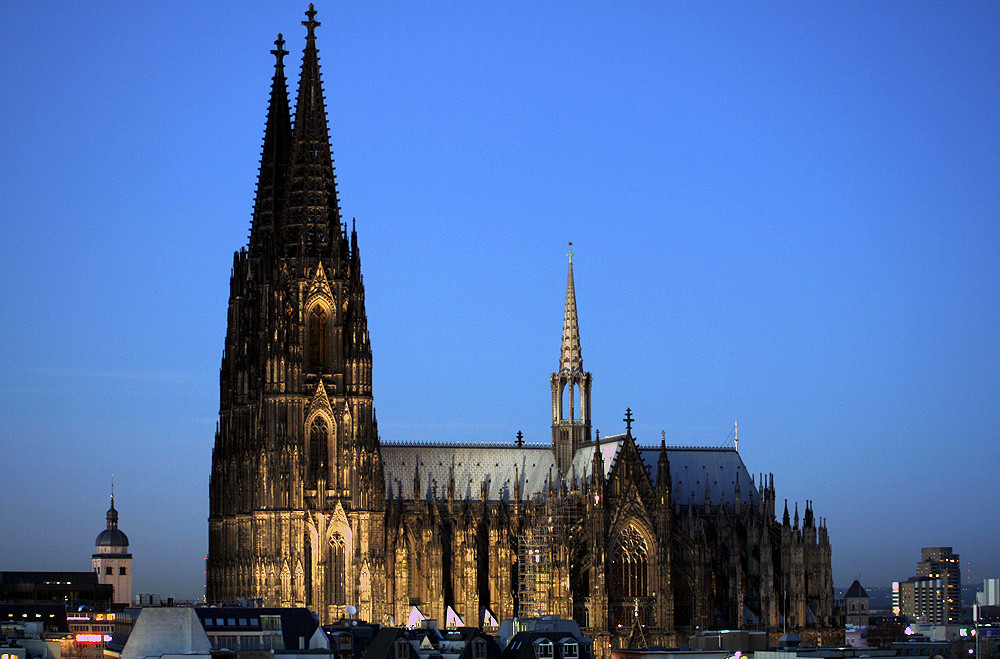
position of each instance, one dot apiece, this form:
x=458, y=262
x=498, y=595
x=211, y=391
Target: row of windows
x=402, y=650
x=110, y=570
x=247, y=642
x=222, y=622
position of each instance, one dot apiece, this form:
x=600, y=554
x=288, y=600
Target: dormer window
x=402, y=649
x=479, y=649
x=570, y=650
x=543, y=649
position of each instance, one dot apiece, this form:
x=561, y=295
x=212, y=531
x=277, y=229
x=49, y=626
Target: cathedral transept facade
x=308, y=507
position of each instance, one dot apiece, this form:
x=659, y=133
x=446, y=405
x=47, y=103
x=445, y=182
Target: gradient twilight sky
x=784, y=214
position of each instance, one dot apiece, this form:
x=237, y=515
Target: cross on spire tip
x=312, y=23
x=279, y=52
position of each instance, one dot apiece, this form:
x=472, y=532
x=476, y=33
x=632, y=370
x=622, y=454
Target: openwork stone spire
x=273, y=159
x=313, y=223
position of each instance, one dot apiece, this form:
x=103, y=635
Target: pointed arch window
x=308, y=568
x=317, y=339
x=629, y=565
x=338, y=568
x=318, y=438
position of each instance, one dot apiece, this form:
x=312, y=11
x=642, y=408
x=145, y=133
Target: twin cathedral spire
x=297, y=210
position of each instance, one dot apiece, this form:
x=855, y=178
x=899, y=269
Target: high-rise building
x=307, y=506
x=990, y=594
x=920, y=599
x=941, y=563
x=112, y=561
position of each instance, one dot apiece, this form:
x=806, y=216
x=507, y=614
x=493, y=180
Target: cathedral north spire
x=273, y=159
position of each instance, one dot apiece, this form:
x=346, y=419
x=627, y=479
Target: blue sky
x=784, y=214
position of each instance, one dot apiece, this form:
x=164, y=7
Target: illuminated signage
x=92, y=638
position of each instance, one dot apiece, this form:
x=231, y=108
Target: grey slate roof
x=856, y=590
x=472, y=464
x=495, y=463
x=691, y=467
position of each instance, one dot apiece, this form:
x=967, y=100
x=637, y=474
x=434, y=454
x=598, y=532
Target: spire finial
x=736, y=435
x=520, y=438
x=570, y=255
x=628, y=420
x=311, y=24
x=279, y=52
x=663, y=438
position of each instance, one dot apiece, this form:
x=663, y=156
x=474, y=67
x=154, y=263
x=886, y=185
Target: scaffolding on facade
x=539, y=571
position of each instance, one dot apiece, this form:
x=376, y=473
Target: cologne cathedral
x=639, y=542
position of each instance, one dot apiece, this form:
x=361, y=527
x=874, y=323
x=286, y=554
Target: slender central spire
x=570, y=386
x=571, y=355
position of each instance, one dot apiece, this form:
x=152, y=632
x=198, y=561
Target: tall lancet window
x=338, y=566
x=629, y=566
x=317, y=339
x=319, y=436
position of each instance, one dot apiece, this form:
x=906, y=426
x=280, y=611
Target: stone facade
x=309, y=507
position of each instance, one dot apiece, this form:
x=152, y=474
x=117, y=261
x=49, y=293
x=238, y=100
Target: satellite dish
x=351, y=610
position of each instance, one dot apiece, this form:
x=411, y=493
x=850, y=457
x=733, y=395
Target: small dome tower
x=111, y=560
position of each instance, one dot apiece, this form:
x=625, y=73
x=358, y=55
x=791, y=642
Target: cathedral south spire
x=313, y=223
x=570, y=385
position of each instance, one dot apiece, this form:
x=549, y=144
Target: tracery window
x=317, y=339
x=629, y=565
x=318, y=438
x=338, y=566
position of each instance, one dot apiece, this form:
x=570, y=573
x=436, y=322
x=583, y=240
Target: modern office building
x=941, y=563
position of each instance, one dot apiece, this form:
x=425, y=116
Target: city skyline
x=785, y=219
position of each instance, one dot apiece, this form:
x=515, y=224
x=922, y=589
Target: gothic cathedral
x=308, y=507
